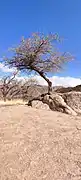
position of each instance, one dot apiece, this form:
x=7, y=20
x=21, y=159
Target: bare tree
x=28, y=87
x=38, y=54
x=8, y=87
x=11, y=87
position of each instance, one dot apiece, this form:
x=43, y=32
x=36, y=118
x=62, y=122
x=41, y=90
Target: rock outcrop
x=57, y=103
x=73, y=100
x=54, y=101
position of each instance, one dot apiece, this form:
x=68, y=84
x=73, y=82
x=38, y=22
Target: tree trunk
x=4, y=98
x=46, y=79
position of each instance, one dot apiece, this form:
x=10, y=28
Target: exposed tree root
x=55, y=103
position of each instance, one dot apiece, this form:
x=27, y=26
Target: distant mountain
x=36, y=90
x=68, y=89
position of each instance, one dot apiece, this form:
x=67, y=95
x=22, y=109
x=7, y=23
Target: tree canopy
x=38, y=53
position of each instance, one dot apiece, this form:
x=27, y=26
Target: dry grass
x=39, y=145
x=12, y=102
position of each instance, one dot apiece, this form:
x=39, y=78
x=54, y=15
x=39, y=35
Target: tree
x=28, y=87
x=9, y=87
x=38, y=54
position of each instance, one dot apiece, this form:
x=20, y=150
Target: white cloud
x=6, y=69
x=65, y=81
x=56, y=80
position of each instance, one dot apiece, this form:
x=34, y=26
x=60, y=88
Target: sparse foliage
x=38, y=54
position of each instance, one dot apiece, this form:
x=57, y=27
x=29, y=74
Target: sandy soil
x=39, y=145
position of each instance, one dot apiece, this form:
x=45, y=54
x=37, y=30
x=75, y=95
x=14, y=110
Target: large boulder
x=69, y=103
x=57, y=103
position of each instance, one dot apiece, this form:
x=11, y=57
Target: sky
x=21, y=17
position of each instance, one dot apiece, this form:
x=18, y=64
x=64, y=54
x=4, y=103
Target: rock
x=40, y=105
x=73, y=100
x=57, y=103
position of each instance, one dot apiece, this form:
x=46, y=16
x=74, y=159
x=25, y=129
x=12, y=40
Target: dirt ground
x=39, y=145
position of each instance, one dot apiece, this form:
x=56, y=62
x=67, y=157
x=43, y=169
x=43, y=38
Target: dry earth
x=39, y=145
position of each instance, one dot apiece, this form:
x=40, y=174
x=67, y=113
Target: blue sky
x=21, y=17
